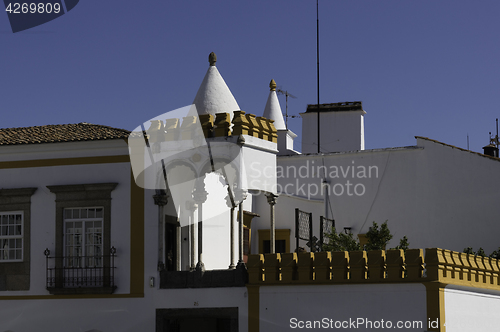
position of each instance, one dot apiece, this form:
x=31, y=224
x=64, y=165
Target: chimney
x=341, y=127
x=491, y=150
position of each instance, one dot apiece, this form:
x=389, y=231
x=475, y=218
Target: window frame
x=82, y=196
x=84, y=235
x=15, y=275
x=12, y=237
x=280, y=234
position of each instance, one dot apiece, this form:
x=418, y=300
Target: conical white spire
x=273, y=108
x=214, y=95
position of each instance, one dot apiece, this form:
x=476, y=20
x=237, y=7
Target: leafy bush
x=403, y=243
x=377, y=237
x=341, y=242
x=480, y=252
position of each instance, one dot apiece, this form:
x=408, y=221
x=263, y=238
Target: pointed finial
x=212, y=58
x=272, y=85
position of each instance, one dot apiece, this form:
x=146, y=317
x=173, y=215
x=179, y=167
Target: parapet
x=377, y=266
x=218, y=126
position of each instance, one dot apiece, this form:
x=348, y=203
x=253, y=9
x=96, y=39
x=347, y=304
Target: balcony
x=81, y=274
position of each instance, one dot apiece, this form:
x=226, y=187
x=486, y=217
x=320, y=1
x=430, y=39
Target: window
x=15, y=234
x=11, y=236
x=279, y=246
x=83, y=237
x=282, y=244
x=83, y=259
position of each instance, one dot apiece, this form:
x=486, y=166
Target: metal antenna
x=317, y=58
x=286, y=94
x=496, y=138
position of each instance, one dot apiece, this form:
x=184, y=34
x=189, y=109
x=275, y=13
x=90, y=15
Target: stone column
x=200, y=196
x=271, y=199
x=231, y=265
x=179, y=247
x=191, y=207
x=160, y=199
x=240, y=196
x=231, y=204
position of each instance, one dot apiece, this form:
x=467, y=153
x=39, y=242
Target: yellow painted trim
x=70, y=296
x=435, y=305
x=64, y=161
x=136, y=237
x=281, y=234
x=362, y=240
x=253, y=308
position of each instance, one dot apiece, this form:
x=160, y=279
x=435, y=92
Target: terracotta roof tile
x=60, y=133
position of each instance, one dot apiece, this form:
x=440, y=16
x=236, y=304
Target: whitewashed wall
x=471, y=310
x=43, y=206
x=286, y=308
x=436, y=195
x=119, y=314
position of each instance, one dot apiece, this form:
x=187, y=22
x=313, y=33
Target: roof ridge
x=456, y=147
x=51, y=133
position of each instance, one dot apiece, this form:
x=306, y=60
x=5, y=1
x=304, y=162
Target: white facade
x=435, y=194
x=283, y=308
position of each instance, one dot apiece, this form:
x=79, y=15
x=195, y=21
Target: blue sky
x=428, y=68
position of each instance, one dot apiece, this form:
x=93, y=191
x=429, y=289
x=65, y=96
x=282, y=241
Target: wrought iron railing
x=303, y=228
x=325, y=227
x=80, y=271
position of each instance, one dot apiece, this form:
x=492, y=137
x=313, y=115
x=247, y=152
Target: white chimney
x=341, y=127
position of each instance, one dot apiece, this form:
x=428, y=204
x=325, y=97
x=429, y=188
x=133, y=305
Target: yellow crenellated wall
x=439, y=265
x=218, y=126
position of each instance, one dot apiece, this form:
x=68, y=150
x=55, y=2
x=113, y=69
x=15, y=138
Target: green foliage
x=469, y=251
x=480, y=252
x=378, y=237
x=495, y=254
x=403, y=244
x=340, y=242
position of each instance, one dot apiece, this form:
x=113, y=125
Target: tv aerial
x=286, y=94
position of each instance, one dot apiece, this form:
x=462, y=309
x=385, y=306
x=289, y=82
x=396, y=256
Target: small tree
x=469, y=251
x=340, y=242
x=495, y=254
x=377, y=240
x=403, y=244
x=480, y=252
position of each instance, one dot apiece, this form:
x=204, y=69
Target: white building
x=436, y=194
x=85, y=248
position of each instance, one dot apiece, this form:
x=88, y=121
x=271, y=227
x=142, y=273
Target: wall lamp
x=347, y=230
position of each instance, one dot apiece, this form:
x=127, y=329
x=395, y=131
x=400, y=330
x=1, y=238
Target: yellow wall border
x=64, y=161
x=435, y=306
x=253, y=308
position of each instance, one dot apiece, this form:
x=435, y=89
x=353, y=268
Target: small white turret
x=214, y=96
x=273, y=112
